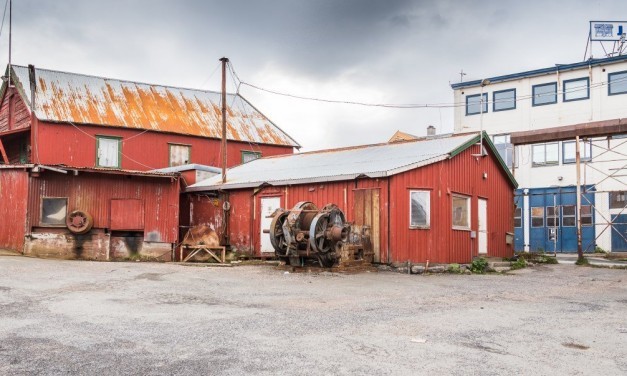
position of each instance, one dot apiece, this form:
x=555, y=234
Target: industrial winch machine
x=305, y=235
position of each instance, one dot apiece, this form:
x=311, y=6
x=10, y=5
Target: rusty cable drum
x=79, y=222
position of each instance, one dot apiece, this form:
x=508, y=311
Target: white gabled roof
x=372, y=161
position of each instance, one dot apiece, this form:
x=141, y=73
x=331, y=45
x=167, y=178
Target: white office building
x=585, y=95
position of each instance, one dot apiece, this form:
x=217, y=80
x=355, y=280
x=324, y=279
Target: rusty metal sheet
x=83, y=99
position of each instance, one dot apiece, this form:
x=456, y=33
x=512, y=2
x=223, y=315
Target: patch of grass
x=582, y=262
x=521, y=263
x=537, y=257
x=479, y=265
x=598, y=249
x=454, y=268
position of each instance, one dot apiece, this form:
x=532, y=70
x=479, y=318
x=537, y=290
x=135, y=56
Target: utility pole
x=224, y=61
x=10, y=30
x=578, y=211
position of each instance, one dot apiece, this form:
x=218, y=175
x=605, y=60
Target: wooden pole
x=224, y=61
x=578, y=210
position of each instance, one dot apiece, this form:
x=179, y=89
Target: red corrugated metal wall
x=13, y=200
x=440, y=243
x=143, y=152
x=93, y=193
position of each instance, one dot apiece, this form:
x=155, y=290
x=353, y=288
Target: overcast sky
x=387, y=51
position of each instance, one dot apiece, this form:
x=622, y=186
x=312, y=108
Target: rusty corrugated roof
x=83, y=99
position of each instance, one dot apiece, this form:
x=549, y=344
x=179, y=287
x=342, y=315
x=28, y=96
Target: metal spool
x=79, y=222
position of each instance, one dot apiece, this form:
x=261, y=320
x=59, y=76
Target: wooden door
x=482, y=226
x=366, y=212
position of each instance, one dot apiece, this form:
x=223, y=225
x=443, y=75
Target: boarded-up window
x=461, y=212
x=248, y=156
x=53, y=211
x=419, y=210
x=108, y=151
x=180, y=154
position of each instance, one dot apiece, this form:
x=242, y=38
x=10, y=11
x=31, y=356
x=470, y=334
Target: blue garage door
x=619, y=233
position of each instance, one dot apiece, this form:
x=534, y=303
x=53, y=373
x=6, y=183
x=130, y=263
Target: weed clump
x=521, y=263
x=478, y=266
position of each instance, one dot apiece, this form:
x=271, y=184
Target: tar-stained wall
x=13, y=203
x=463, y=174
x=140, y=150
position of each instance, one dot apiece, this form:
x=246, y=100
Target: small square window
x=180, y=154
x=53, y=211
x=577, y=89
x=617, y=83
x=474, y=103
x=552, y=216
x=568, y=216
x=419, y=210
x=504, y=100
x=586, y=215
x=248, y=156
x=108, y=151
x=461, y=212
x=544, y=94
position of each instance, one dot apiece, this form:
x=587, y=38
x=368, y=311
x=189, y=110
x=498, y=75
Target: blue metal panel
x=519, y=232
x=619, y=233
x=566, y=240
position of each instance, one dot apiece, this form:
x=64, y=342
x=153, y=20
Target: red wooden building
x=434, y=198
x=76, y=142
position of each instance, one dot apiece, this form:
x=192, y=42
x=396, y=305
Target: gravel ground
x=72, y=317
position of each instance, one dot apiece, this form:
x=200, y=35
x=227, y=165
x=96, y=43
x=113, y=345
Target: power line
x=4, y=14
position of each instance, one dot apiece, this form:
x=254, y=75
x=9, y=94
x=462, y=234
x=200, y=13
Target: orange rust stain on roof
x=100, y=101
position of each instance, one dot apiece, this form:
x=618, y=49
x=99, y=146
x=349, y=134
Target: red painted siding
x=13, y=199
x=440, y=243
x=12, y=104
x=65, y=144
x=93, y=193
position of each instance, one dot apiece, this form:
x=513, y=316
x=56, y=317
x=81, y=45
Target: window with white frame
x=503, y=100
x=544, y=94
x=586, y=215
x=568, y=216
x=577, y=89
x=545, y=154
x=518, y=217
x=569, y=152
x=420, y=208
x=248, y=156
x=461, y=212
x=537, y=216
x=108, y=151
x=180, y=154
x=617, y=83
x=505, y=148
x=53, y=211
x=552, y=216
x=474, y=103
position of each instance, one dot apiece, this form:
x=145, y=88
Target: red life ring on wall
x=79, y=222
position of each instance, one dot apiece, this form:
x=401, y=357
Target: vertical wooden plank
x=358, y=207
x=375, y=228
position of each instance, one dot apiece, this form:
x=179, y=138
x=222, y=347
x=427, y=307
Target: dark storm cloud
x=386, y=51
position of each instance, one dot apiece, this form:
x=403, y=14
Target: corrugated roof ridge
x=356, y=147
x=123, y=80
